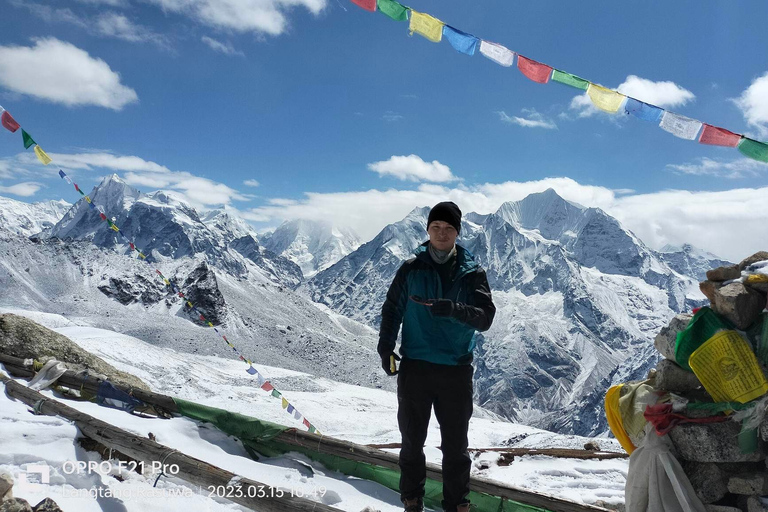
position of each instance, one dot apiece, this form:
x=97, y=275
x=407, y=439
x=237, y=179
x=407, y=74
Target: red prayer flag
x=536, y=71
x=267, y=386
x=202, y=318
x=368, y=5
x=133, y=247
x=306, y=423
x=103, y=217
x=9, y=122
x=719, y=136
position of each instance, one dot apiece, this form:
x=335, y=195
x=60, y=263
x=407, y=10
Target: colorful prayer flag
x=87, y=199
x=90, y=203
x=267, y=386
x=276, y=393
x=536, y=71
x=644, y=111
x=426, y=25
x=394, y=10
x=103, y=217
x=42, y=156
x=115, y=228
x=605, y=99
x=497, y=53
x=718, y=136
x=680, y=126
x=754, y=149
x=27, y=138
x=9, y=122
x=296, y=414
x=285, y=403
x=570, y=80
x=290, y=409
x=368, y=5
x=251, y=370
x=306, y=423
x=312, y=429
x=461, y=41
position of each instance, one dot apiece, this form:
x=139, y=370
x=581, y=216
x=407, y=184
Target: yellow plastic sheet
x=44, y=158
x=728, y=369
x=426, y=25
x=605, y=99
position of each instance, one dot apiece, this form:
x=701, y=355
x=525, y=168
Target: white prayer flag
x=680, y=126
x=296, y=414
x=497, y=53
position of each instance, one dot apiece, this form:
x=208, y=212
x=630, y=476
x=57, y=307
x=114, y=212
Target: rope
x=37, y=409
x=162, y=465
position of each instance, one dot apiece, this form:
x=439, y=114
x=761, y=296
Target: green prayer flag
x=312, y=429
x=276, y=393
x=394, y=10
x=754, y=149
x=28, y=140
x=569, y=79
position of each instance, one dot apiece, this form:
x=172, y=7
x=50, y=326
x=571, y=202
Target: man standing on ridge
x=441, y=297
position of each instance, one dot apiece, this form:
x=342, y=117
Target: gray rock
x=15, y=505
x=47, y=505
x=721, y=508
x=739, y=304
x=724, y=273
x=707, y=480
x=670, y=377
x=764, y=429
x=665, y=340
x=755, y=504
x=712, y=442
x=25, y=339
x=708, y=289
x=758, y=256
x=6, y=486
x=748, y=484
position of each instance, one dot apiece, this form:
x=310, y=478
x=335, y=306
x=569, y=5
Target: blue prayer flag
x=61, y=173
x=289, y=409
x=461, y=41
x=644, y=111
x=251, y=370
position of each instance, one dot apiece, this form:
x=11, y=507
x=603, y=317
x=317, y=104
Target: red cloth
x=306, y=423
x=267, y=386
x=719, y=136
x=368, y=5
x=9, y=122
x=536, y=71
x=664, y=419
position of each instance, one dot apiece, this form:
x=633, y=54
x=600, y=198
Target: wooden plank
x=245, y=491
x=348, y=450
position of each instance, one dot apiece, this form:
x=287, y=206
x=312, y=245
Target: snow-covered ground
x=358, y=414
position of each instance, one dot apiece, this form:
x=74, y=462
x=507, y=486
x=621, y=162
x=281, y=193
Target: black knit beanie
x=446, y=211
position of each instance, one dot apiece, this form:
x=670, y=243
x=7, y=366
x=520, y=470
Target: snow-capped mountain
x=689, y=260
x=83, y=270
x=30, y=219
x=312, y=245
x=579, y=299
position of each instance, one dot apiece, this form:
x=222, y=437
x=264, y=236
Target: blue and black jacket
x=441, y=340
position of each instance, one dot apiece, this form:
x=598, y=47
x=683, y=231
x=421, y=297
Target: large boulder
x=758, y=256
x=738, y=303
x=724, y=273
x=670, y=377
x=667, y=337
x=712, y=442
x=21, y=337
x=707, y=480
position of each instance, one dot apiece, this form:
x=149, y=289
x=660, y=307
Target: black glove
x=443, y=307
x=386, y=363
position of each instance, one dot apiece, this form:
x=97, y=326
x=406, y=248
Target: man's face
x=442, y=235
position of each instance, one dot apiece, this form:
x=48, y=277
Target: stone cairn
x=725, y=478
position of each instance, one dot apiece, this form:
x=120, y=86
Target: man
x=441, y=297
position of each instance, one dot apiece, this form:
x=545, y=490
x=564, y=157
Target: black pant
x=420, y=385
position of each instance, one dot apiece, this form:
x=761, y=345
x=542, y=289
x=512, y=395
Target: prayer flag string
x=603, y=98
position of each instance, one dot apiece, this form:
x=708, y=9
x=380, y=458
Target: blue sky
x=320, y=97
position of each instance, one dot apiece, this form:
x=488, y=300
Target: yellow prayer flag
x=189, y=304
x=45, y=159
x=285, y=403
x=142, y=256
x=210, y=324
x=605, y=99
x=116, y=229
x=87, y=199
x=427, y=26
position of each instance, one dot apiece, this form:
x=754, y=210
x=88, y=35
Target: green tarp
x=259, y=438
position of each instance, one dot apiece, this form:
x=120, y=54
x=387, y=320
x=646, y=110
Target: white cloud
x=111, y=3
x=112, y=24
x=753, y=103
x=251, y=183
x=734, y=169
x=261, y=16
x=662, y=94
x=533, y=120
x=59, y=72
x=391, y=116
x=26, y=189
x=50, y=14
x=218, y=46
x=413, y=168
x=728, y=223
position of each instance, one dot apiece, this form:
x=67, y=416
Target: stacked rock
x=725, y=478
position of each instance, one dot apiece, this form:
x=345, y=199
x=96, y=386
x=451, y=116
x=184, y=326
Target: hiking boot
x=413, y=505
